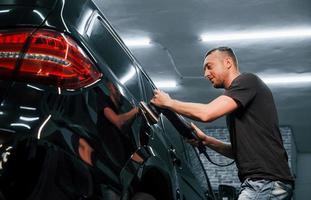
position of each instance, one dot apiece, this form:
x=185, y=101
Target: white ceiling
x=176, y=51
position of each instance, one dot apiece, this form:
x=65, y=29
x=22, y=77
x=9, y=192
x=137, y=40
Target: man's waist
x=286, y=181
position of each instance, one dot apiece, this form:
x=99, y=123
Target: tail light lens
x=11, y=44
x=50, y=57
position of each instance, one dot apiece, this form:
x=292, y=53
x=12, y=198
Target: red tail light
x=11, y=44
x=51, y=58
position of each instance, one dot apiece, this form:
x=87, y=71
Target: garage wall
x=228, y=175
x=303, y=179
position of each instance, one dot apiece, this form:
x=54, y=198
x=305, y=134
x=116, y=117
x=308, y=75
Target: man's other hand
x=201, y=137
x=161, y=99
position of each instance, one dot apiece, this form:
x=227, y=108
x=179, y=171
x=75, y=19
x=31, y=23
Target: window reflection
x=85, y=151
x=114, y=55
x=115, y=117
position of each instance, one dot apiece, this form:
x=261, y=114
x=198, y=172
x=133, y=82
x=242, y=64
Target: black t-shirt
x=254, y=131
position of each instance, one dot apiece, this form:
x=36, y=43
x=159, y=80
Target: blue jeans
x=265, y=189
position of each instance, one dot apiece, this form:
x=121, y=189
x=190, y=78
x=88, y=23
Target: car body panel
x=122, y=160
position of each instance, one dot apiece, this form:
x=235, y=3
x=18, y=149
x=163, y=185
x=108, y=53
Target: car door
x=192, y=174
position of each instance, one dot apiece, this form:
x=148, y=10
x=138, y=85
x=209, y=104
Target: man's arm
x=220, y=106
x=221, y=147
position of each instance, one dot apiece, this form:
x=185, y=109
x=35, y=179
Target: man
x=256, y=143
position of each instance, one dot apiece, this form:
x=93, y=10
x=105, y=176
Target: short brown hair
x=226, y=50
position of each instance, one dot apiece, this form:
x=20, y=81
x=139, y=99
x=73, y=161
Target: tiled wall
x=228, y=175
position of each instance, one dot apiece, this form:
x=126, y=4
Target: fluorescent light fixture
x=287, y=79
x=7, y=130
x=4, y=11
x=27, y=108
x=36, y=88
x=42, y=125
x=165, y=84
x=139, y=42
x=91, y=83
x=28, y=119
x=257, y=35
x=21, y=125
x=7, y=149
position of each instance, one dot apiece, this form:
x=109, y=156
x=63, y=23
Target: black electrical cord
x=202, y=150
x=184, y=128
x=209, y=185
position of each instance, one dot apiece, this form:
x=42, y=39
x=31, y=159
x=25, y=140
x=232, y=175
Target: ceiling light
x=137, y=42
x=4, y=11
x=27, y=108
x=42, y=125
x=165, y=84
x=288, y=79
x=28, y=119
x=256, y=35
x=20, y=125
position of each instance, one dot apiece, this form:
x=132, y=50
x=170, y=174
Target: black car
x=75, y=118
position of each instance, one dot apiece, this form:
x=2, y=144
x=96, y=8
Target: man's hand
x=201, y=137
x=213, y=143
x=161, y=99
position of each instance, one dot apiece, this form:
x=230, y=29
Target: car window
x=113, y=54
x=148, y=89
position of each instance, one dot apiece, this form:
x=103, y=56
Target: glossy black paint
x=22, y=16
x=34, y=3
x=138, y=157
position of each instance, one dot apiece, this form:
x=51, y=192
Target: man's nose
x=206, y=74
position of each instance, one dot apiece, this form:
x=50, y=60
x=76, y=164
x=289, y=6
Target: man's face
x=214, y=69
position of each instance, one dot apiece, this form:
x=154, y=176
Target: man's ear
x=228, y=62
